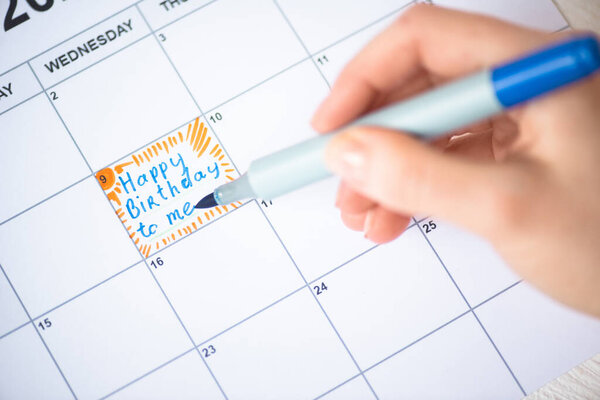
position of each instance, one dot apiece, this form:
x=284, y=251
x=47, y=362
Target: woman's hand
x=528, y=181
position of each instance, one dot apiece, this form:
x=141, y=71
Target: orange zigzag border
x=197, y=137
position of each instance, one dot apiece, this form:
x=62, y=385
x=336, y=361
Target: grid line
x=12, y=330
x=307, y=284
x=320, y=277
x=124, y=227
x=363, y=28
x=210, y=339
x=188, y=90
x=115, y=52
x=372, y=366
x=21, y=102
x=45, y=199
x=61, y=119
x=160, y=250
x=164, y=295
x=301, y=42
x=145, y=260
x=139, y=378
x=472, y=311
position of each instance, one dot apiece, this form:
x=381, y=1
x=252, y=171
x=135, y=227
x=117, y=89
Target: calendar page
x=117, y=116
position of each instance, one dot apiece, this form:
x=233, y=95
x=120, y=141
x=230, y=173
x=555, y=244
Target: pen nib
x=207, y=201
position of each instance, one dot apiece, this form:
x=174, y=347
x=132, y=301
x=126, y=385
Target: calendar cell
x=537, y=14
x=539, y=338
x=89, y=47
x=63, y=247
x=34, y=128
x=288, y=351
x=216, y=64
x=17, y=86
x=288, y=100
x=458, y=361
x=311, y=229
x=333, y=59
x=226, y=272
x=477, y=269
x=306, y=220
x=154, y=189
x=118, y=331
x=184, y=378
x=137, y=98
x=26, y=369
x=162, y=12
x=11, y=312
x=356, y=389
x=398, y=292
x=39, y=156
x=321, y=23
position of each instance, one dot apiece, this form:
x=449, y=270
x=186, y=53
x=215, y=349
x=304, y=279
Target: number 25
x=429, y=226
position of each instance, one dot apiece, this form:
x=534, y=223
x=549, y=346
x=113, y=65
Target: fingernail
x=369, y=220
x=346, y=156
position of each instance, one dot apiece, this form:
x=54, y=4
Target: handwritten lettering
x=155, y=189
x=172, y=179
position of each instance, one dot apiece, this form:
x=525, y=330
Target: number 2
x=54, y=96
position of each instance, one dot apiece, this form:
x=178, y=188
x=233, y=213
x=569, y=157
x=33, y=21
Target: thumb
x=410, y=177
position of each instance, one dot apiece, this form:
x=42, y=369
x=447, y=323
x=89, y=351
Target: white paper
x=116, y=117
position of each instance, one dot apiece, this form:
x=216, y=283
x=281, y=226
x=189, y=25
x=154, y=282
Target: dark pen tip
x=207, y=201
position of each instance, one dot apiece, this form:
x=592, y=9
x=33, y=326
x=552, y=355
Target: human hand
x=527, y=180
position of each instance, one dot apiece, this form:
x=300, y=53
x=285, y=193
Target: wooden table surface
x=582, y=382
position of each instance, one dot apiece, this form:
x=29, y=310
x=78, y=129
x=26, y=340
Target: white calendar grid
x=361, y=369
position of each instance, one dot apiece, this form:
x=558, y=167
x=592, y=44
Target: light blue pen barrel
x=428, y=115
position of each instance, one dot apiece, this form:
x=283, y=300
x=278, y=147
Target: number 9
x=106, y=177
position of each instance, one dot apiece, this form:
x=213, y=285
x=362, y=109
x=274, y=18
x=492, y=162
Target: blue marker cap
x=546, y=70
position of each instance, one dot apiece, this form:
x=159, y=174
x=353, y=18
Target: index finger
x=441, y=42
